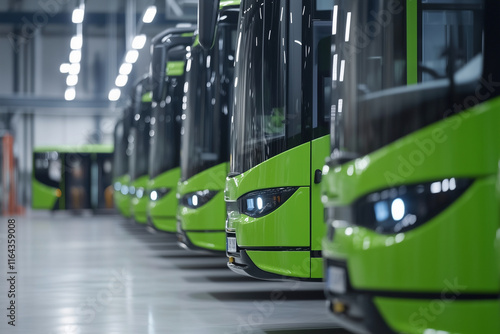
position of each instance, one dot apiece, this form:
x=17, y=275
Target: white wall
x=70, y=130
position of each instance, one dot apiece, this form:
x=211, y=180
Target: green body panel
x=460, y=246
x=285, y=263
x=209, y=217
x=162, y=211
x=412, y=41
x=287, y=226
x=96, y=148
x=208, y=240
x=414, y=316
x=212, y=179
x=320, y=149
x=175, y=68
x=139, y=205
x=447, y=247
x=147, y=97
x=187, y=34
x=290, y=224
x=122, y=202
x=288, y=169
x=43, y=196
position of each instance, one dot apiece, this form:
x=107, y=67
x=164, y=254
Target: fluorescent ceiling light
x=138, y=42
x=64, y=68
x=149, y=15
x=75, y=56
x=72, y=80
x=114, y=94
x=121, y=80
x=70, y=94
x=74, y=68
x=132, y=56
x=76, y=42
x=78, y=14
x=125, y=68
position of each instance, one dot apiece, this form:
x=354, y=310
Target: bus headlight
x=158, y=193
x=197, y=199
x=262, y=202
x=403, y=208
x=124, y=189
x=139, y=192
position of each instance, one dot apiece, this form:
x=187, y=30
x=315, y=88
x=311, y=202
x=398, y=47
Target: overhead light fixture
x=114, y=94
x=132, y=56
x=72, y=80
x=64, y=68
x=125, y=69
x=78, y=14
x=76, y=42
x=138, y=42
x=149, y=14
x=121, y=80
x=75, y=56
x=70, y=94
x=74, y=68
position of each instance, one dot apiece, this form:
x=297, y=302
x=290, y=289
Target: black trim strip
x=277, y=248
x=162, y=217
x=316, y=254
x=204, y=231
x=430, y=295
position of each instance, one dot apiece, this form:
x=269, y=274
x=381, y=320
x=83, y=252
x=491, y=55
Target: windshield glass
x=279, y=103
x=208, y=88
x=139, y=134
x=388, y=82
x=47, y=168
x=166, y=118
x=120, y=159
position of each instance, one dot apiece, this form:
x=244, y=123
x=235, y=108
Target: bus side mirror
x=208, y=11
x=158, y=71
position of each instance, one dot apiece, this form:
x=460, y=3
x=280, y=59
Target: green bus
x=205, y=137
x=279, y=139
x=139, y=149
x=167, y=74
x=411, y=187
x=72, y=177
x=121, y=176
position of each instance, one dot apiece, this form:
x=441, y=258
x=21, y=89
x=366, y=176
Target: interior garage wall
x=6, y=77
x=72, y=130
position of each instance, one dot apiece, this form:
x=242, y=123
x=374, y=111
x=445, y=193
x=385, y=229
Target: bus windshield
x=391, y=77
x=120, y=159
x=166, y=118
x=207, y=110
x=139, y=136
x=281, y=79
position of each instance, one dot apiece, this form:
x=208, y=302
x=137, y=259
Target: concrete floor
x=106, y=275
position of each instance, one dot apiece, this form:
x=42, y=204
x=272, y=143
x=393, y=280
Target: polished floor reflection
x=103, y=274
